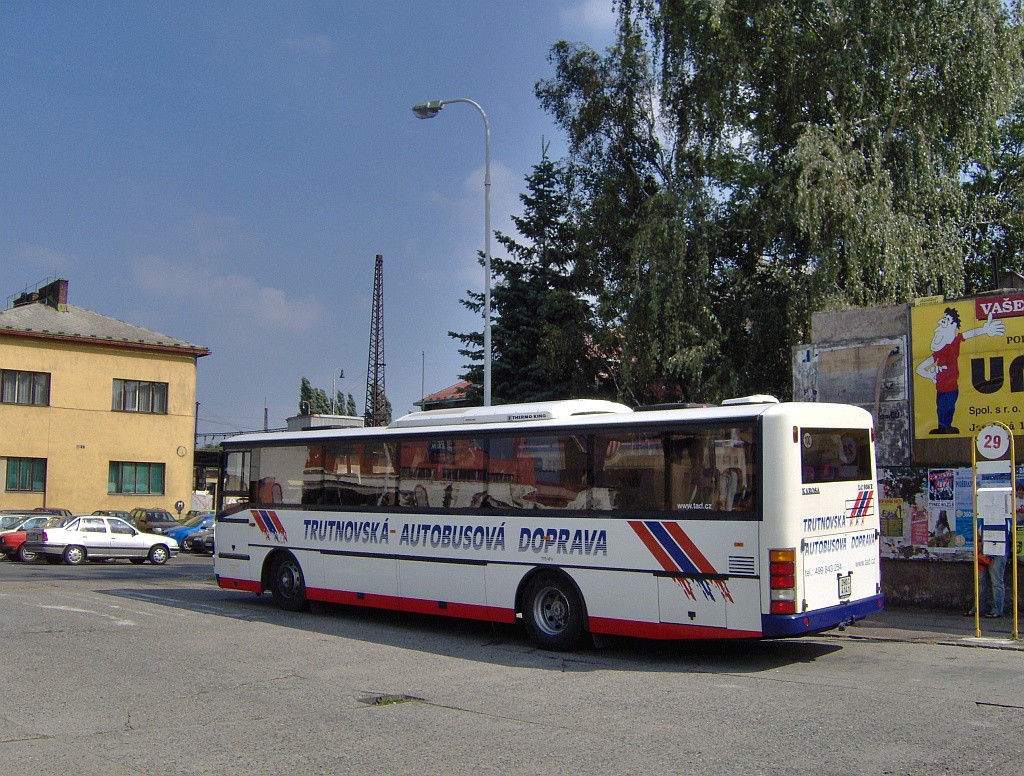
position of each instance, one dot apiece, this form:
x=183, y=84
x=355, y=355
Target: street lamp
x=427, y=110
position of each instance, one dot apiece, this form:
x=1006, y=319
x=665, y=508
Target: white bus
x=750, y=520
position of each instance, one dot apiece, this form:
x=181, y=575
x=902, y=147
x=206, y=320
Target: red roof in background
x=457, y=391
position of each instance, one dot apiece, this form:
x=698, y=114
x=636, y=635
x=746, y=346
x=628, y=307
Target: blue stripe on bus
x=671, y=547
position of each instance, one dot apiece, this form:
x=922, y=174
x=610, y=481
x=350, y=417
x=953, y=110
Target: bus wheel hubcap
x=553, y=610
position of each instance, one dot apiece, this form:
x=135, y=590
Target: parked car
x=55, y=511
x=11, y=521
x=94, y=537
x=12, y=543
x=126, y=516
x=182, y=534
x=29, y=521
x=202, y=542
x=153, y=520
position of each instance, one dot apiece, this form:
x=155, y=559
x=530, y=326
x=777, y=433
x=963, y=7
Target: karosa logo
x=269, y=524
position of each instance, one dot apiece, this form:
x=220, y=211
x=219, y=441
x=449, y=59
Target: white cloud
x=248, y=305
x=506, y=186
x=591, y=15
x=315, y=45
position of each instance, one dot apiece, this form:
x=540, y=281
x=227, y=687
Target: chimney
x=55, y=295
x=26, y=298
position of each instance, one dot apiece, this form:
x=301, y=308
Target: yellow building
x=95, y=413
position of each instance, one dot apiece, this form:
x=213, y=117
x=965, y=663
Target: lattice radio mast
x=376, y=399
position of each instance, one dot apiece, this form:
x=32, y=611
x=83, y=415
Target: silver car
x=95, y=537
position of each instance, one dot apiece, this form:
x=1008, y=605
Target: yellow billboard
x=968, y=361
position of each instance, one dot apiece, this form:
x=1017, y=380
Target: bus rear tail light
x=782, y=573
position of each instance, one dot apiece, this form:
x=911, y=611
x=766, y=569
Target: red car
x=11, y=541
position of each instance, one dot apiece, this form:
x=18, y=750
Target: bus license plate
x=845, y=586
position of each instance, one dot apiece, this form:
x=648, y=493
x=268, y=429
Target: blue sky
x=225, y=172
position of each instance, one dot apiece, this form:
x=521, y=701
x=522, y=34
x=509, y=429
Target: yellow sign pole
x=977, y=547
x=990, y=444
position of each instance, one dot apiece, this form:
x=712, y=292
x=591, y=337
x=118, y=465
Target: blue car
x=182, y=534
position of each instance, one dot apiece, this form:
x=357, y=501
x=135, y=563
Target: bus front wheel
x=553, y=612
x=287, y=584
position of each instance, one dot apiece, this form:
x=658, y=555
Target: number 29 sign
x=993, y=442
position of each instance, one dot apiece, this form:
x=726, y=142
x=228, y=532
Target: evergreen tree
x=541, y=325
x=312, y=401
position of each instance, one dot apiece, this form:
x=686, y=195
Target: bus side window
x=360, y=473
x=629, y=472
x=693, y=480
x=450, y=473
x=712, y=470
x=537, y=472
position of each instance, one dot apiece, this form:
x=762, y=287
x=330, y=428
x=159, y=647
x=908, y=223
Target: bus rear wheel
x=553, y=612
x=287, y=584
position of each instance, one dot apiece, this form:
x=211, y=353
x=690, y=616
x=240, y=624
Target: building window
x=131, y=477
x=139, y=396
x=25, y=387
x=26, y=474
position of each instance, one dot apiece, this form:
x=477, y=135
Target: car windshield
x=194, y=521
x=11, y=521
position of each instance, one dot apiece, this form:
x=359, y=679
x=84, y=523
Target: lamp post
x=427, y=110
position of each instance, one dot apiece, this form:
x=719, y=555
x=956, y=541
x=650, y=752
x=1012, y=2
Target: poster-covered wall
x=927, y=513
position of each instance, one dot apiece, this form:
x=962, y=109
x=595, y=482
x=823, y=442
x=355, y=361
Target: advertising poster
x=892, y=513
x=963, y=501
x=941, y=508
x=967, y=360
x=919, y=525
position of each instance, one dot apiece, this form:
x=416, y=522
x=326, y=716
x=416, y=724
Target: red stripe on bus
x=653, y=545
x=277, y=524
x=259, y=521
x=689, y=548
x=415, y=605
x=665, y=630
x=239, y=584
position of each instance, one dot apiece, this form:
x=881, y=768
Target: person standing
x=992, y=584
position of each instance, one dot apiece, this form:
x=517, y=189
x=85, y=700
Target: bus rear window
x=835, y=454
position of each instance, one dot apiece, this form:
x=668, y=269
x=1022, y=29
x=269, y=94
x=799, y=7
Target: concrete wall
x=946, y=586
x=860, y=356
x=79, y=435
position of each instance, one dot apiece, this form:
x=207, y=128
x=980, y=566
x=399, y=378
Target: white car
x=95, y=537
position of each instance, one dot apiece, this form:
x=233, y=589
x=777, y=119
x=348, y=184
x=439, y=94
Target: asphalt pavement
x=927, y=626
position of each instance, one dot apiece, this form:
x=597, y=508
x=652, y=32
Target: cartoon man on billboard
x=942, y=367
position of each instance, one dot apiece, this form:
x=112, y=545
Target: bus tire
x=287, y=584
x=553, y=612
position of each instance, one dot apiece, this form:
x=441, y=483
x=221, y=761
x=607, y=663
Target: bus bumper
x=777, y=626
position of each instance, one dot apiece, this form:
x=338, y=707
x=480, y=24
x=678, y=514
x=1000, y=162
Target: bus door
x=232, y=553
